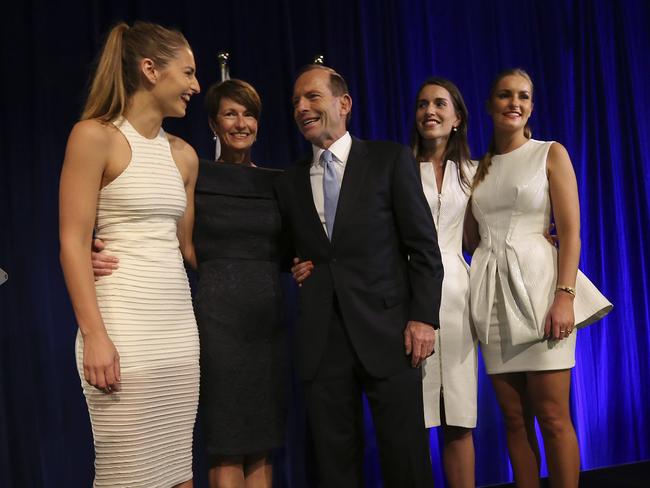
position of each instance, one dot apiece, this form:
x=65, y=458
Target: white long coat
x=452, y=370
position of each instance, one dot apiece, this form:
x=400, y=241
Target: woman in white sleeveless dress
x=522, y=289
x=130, y=182
x=449, y=376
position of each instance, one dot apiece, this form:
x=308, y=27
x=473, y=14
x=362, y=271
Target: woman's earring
x=217, y=147
x=455, y=129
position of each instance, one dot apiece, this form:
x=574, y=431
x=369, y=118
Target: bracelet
x=569, y=289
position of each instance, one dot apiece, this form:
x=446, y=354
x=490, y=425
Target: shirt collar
x=339, y=148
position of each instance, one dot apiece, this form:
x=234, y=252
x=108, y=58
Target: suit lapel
x=355, y=170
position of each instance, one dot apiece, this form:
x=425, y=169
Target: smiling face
x=319, y=114
x=235, y=125
x=511, y=103
x=435, y=115
x=176, y=83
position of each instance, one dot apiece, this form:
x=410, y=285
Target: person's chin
x=429, y=134
x=311, y=136
x=510, y=125
x=238, y=146
x=178, y=113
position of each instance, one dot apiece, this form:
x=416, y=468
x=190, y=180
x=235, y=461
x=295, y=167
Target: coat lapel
x=355, y=170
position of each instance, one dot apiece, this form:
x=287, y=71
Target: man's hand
x=301, y=270
x=103, y=264
x=550, y=237
x=419, y=341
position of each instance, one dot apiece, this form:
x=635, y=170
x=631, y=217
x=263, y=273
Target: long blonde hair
x=117, y=76
x=485, y=162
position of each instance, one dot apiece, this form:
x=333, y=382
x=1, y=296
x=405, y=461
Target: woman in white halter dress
x=123, y=176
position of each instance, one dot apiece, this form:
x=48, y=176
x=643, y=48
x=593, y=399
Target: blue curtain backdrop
x=589, y=61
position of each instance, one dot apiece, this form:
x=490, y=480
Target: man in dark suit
x=368, y=310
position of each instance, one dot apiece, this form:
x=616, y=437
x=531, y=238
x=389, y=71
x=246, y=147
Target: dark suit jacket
x=383, y=263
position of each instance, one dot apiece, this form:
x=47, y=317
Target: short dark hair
x=337, y=84
x=238, y=91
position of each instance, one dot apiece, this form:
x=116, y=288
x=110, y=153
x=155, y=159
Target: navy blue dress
x=238, y=306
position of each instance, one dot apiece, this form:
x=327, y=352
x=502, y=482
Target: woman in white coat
x=440, y=146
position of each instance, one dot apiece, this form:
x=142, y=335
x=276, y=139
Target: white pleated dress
x=514, y=270
x=452, y=369
x=143, y=433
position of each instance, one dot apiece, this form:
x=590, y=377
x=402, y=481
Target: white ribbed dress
x=143, y=433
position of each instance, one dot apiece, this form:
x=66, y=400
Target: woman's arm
x=81, y=178
x=188, y=164
x=566, y=211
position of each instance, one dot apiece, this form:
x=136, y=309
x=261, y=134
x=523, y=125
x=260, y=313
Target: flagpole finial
x=224, y=69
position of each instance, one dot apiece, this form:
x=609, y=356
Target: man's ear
x=149, y=71
x=346, y=104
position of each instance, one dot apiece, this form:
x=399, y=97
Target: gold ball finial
x=224, y=69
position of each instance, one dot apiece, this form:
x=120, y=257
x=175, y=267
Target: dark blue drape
x=588, y=59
